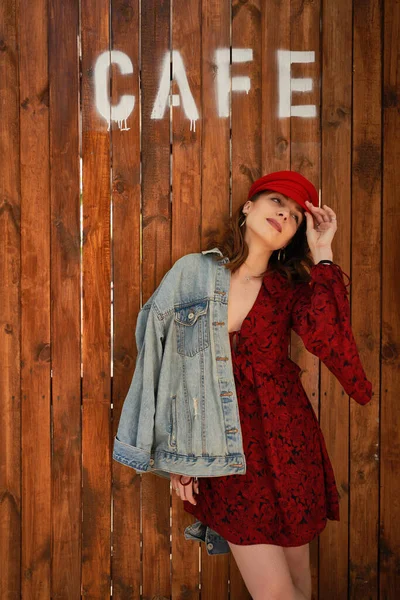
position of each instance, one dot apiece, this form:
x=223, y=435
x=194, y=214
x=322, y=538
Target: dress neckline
x=249, y=314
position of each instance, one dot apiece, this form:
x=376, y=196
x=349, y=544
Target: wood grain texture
x=96, y=312
x=10, y=309
x=65, y=261
x=366, y=234
x=305, y=157
x=35, y=300
x=246, y=143
x=336, y=192
x=215, y=205
x=186, y=225
x=73, y=522
x=389, y=535
x=126, y=251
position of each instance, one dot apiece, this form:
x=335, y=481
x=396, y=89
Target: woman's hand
x=321, y=227
x=185, y=492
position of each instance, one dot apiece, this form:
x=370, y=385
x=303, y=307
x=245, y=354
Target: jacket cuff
x=133, y=457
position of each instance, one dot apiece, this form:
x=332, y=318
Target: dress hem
x=220, y=530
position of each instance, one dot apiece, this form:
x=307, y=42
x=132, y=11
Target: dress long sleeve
x=321, y=317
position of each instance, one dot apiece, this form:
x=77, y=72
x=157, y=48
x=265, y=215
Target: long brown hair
x=230, y=240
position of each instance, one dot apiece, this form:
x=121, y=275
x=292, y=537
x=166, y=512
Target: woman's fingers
x=330, y=212
x=321, y=214
x=185, y=492
x=189, y=493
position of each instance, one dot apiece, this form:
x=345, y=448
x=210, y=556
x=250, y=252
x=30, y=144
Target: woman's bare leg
x=298, y=559
x=265, y=571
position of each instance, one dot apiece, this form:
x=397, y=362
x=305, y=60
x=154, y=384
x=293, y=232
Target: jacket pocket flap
x=188, y=315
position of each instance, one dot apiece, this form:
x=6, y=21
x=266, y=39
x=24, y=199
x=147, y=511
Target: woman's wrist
x=326, y=255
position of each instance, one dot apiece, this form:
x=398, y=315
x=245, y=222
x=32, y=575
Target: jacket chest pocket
x=191, y=323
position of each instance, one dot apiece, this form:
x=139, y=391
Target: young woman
x=270, y=514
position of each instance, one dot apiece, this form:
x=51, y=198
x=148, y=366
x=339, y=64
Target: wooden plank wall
x=121, y=148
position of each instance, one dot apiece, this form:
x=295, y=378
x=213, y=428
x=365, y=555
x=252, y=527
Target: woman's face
x=272, y=205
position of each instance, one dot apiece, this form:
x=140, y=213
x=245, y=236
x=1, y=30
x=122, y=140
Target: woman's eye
x=295, y=216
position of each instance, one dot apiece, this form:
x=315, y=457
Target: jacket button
x=191, y=315
x=210, y=546
x=152, y=461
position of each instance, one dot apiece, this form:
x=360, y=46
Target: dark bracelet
x=326, y=261
x=187, y=483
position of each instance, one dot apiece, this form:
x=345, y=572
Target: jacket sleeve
x=134, y=439
x=321, y=317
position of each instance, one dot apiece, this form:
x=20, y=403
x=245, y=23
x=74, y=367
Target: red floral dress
x=288, y=491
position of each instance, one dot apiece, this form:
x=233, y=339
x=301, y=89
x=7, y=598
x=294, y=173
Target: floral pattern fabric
x=288, y=491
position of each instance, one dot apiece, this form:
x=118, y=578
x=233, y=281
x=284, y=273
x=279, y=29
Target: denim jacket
x=181, y=412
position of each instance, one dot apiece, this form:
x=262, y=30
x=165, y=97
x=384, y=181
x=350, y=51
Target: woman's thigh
x=298, y=560
x=265, y=571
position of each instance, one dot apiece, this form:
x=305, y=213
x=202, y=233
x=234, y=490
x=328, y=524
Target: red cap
x=291, y=184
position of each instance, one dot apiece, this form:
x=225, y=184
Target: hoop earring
x=243, y=222
x=279, y=255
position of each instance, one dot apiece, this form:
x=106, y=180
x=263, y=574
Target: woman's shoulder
x=188, y=273
x=198, y=259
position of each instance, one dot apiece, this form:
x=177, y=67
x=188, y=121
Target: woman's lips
x=275, y=224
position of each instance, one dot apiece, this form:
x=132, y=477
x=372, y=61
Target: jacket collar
x=217, y=250
x=275, y=282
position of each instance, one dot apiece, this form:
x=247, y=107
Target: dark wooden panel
x=187, y=123
x=366, y=213
x=35, y=299
x=10, y=316
x=156, y=257
x=126, y=199
x=65, y=306
x=389, y=541
x=246, y=142
x=96, y=304
x=275, y=129
x=336, y=193
x=215, y=166
x=305, y=154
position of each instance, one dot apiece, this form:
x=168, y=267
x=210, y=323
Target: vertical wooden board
x=10, y=272
x=156, y=257
x=246, y=119
x=126, y=196
x=186, y=127
x=35, y=299
x=389, y=542
x=246, y=103
x=304, y=108
x=215, y=171
x=96, y=304
x=366, y=290
x=336, y=193
x=275, y=128
x=65, y=294
x=215, y=105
